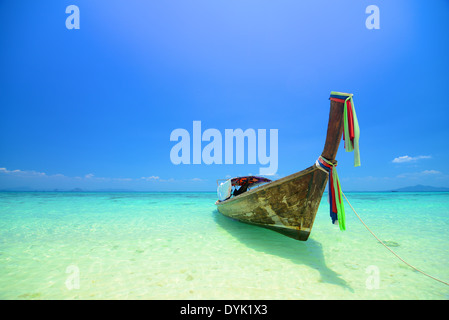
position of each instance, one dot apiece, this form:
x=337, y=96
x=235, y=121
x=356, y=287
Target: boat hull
x=287, y=205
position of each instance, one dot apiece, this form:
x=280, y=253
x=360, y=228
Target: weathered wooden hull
x=287, y=205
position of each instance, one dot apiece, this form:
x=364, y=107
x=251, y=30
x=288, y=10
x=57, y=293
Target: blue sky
x=94, y=108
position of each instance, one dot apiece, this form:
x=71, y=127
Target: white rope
x=397, y=256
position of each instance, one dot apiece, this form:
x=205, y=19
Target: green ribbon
x=337, y=195
x=349, y=144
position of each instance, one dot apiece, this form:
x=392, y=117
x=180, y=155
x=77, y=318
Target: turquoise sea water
x=177, y=246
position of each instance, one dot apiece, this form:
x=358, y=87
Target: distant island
x=421, y=188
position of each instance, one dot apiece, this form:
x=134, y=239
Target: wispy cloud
x=157, y=178
x=405, y=159
x=90, y=181
x=425, y=173
x=89, y=176
x=152, y=178
x=22, y=172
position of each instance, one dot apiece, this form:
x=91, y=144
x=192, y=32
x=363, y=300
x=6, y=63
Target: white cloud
x=405, y=159
x=150, y=178
x=22, y=172
x=426, y=172
x=4, y=170
x=90, y=177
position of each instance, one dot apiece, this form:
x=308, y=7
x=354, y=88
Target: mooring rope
x=382, y=243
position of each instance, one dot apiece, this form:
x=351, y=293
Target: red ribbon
x=350, y=119
x=332, y=186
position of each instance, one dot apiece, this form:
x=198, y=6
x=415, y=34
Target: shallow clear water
x=177, y=246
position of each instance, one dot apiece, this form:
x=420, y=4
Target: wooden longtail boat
x=289, y=205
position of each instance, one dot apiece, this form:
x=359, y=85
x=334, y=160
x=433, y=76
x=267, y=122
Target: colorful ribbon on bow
x=351, y=132
x=337, y=209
